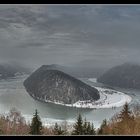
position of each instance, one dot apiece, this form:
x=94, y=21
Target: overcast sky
x=101, y=35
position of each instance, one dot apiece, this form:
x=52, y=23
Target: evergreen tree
x=126, y=123
x=92, y=132
x=88, y=128
x=36, y=124
x=58, y=130
x=55, y=130
x=78, y=126
x=126, y=114
x=85, y=127
x=101, y=129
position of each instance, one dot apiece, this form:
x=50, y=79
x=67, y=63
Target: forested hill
x=58, y=86
x=125, y=76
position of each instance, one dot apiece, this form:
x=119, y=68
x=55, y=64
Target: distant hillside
x=54, y=85
x=125, y=76
x=10, y=71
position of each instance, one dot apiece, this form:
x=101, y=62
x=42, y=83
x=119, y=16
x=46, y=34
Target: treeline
x=127, y=122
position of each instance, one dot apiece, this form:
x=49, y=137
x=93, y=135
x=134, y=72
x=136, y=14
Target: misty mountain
x=55, y=85
x=12, y=70
x=124, y=76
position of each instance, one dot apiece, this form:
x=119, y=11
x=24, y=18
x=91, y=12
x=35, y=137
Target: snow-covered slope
x=108, y=99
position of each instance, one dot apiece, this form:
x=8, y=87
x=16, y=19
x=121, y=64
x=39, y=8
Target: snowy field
x=108, y=99
x=93, y=80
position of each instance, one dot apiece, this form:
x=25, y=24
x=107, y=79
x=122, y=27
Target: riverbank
x=108, y=99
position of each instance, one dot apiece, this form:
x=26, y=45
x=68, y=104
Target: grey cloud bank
x=84, y=35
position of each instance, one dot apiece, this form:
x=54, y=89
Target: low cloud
x=69, y=34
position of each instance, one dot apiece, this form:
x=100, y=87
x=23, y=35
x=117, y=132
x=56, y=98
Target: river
x=13, y=94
